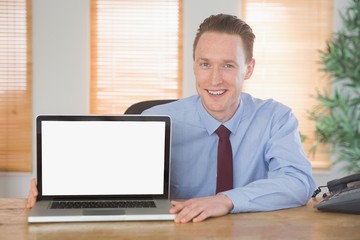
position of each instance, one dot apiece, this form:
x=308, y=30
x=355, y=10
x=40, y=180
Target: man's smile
x=216, y=92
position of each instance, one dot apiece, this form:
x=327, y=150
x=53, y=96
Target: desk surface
x=297, y=223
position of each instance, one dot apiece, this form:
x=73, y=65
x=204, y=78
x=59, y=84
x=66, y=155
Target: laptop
x=102, y=168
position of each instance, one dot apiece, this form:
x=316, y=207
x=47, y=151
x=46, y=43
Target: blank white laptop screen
x=83, y=157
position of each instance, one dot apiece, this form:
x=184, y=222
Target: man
x=270, y=170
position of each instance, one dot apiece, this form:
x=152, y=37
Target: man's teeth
x=216, y=92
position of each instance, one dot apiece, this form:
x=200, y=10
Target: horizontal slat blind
x=15, y=85
x=136, y=52
x=289, y=35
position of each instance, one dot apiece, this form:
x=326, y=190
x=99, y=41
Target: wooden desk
x=298, y=223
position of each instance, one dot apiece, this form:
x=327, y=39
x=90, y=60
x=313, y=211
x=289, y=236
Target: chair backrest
x=138, y=108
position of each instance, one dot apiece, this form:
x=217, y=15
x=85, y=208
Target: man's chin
x=214, y=107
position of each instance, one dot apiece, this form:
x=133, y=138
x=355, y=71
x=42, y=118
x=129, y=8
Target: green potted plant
x=337, y=115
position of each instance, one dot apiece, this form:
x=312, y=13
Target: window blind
x=289, y=35
x=15, y=85
x=136, y=52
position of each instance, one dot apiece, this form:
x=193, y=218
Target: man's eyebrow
x=224, y=61
x=202, y=59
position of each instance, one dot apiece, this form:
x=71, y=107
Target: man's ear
x=249, y=69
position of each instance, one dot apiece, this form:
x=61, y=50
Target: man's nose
x=216, y=78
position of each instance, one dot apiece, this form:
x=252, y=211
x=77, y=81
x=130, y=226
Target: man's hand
x=199, y=209
x=33, y=193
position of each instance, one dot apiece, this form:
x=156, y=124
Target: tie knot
x=223, y=132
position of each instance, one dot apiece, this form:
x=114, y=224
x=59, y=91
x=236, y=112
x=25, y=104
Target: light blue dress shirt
x=271, y=170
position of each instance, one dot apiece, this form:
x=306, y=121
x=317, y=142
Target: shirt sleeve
x=289, y=182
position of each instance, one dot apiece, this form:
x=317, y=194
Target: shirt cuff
x=240, y=201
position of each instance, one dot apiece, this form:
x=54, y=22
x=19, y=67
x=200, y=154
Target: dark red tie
x=224, y=179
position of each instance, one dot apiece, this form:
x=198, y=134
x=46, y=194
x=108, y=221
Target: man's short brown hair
x=224, y=23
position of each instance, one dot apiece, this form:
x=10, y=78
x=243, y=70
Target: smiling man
x=269, y=170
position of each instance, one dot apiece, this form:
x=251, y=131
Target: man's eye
x=229, y=66
x=204, y=65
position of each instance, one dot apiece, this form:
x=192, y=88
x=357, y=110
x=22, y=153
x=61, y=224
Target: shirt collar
x=211, y=124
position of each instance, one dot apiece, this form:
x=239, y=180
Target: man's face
x=220, y=71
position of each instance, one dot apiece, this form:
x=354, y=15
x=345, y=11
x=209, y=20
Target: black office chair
x=138, y=108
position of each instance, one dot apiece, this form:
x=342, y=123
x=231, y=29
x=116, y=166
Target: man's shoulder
x=264, y=107
x=257, y=103
x=175, y=107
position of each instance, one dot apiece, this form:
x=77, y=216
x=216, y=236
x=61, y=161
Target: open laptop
x=102, y=168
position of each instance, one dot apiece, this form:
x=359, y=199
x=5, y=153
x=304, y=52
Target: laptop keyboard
x=103, y=204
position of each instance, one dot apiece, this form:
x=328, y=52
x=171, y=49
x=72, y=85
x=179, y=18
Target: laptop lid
x=103, y=157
